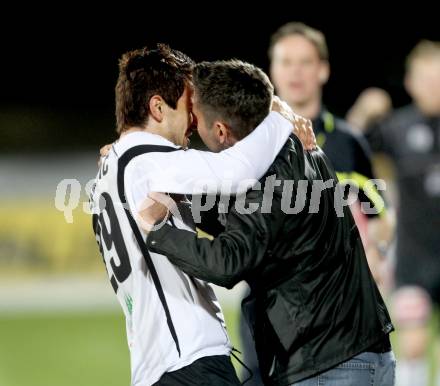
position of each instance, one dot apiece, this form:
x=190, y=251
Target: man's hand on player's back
x=302, y=127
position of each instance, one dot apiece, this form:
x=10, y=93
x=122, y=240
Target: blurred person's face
x=215, y=135
x=423, y=84
x=297, y=71
x=180, y=121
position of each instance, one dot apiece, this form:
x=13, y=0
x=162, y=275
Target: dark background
x=59, y=68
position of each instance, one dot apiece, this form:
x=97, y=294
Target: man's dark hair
x=144, y=73
x=235, y=92
x=313, y=35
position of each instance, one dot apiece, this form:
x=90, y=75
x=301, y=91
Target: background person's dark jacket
x=315, y=302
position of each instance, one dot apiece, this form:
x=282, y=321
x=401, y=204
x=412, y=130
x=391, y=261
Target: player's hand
x=282, y=108
x=155, y=210
x=105, y=150
x=302, y=127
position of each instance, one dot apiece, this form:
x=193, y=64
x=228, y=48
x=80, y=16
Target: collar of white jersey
x=136, y=138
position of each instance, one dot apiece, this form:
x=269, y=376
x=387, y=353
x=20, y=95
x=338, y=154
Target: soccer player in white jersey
x=175, y=326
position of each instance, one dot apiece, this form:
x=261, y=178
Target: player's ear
x=156, y=106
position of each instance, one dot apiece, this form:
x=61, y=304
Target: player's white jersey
x=193, y=308
x=172, y=319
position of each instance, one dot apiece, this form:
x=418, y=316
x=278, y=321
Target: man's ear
x=224, y=134
x=324, y=72
x=221, y=132
x=157, y=105
x=409, y=84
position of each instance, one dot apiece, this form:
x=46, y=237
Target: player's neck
x=132, y=130
x=149, y=129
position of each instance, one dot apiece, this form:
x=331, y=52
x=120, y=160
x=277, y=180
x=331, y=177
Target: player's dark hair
x=144, y=73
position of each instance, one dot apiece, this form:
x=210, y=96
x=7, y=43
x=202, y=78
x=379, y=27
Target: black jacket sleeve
x=236, y=253
x=210, y=222
x=224, y=261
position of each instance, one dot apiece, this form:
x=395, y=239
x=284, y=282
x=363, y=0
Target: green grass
x=84, y=349
x=72, y=349
x=64, y=350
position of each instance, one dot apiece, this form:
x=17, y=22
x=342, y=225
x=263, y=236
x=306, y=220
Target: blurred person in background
x=299, y=69
x=371, y=106
x=410, y=137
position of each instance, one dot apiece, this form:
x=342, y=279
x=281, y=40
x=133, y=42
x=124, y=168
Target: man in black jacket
x=314, y=309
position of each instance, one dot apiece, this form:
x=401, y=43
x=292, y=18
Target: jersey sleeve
x=229, y=171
